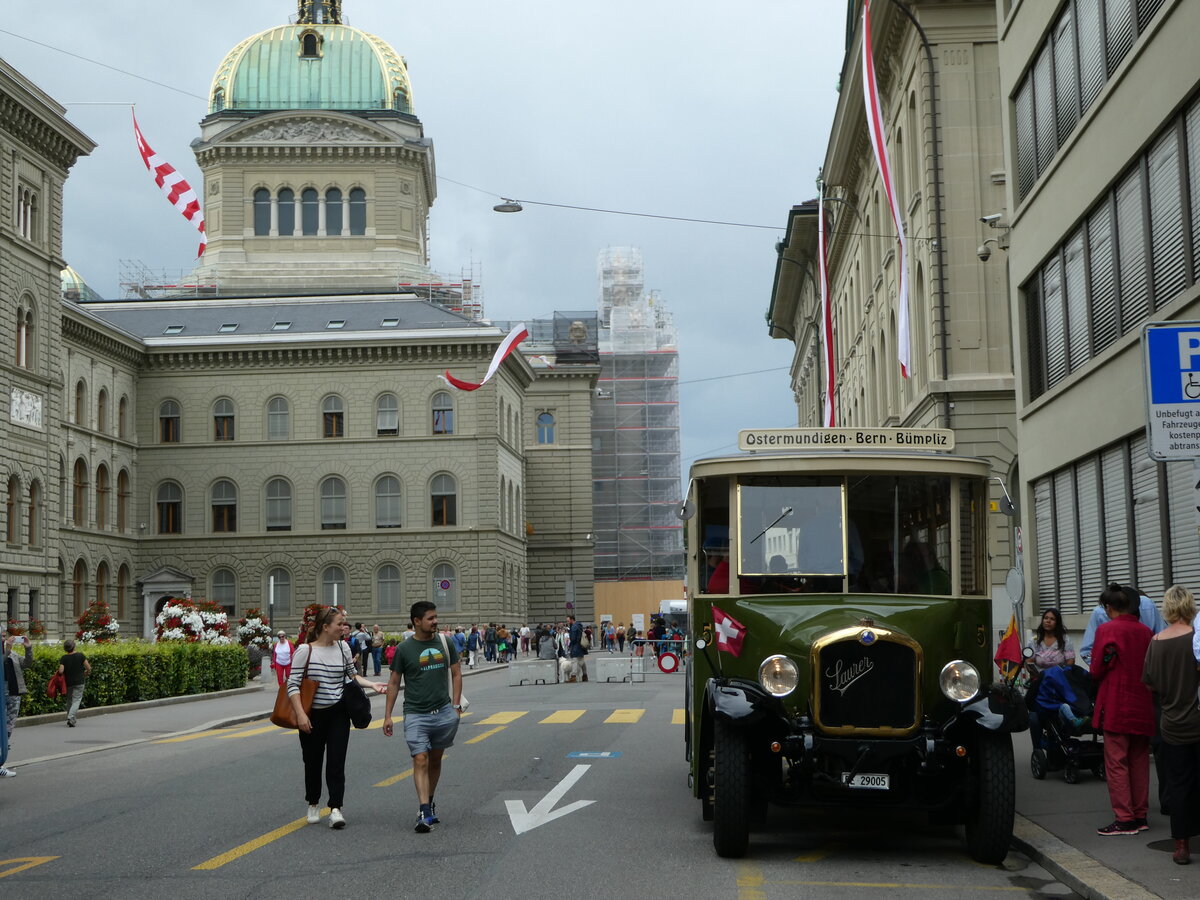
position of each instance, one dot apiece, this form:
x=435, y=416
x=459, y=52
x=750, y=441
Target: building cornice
x=41, y=135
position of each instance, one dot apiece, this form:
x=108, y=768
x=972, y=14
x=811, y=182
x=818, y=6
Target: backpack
x=490, y=635
x=585, y=642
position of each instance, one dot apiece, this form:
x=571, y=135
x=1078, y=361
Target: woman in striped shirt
x=325, y=730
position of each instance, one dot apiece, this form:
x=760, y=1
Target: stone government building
x=287, y=427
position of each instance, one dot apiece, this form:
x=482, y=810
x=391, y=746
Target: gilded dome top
x=311, y=66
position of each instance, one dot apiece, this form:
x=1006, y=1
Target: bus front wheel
x=989, y=821
x=732, y=790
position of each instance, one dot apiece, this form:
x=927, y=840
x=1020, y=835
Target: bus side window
x=713, y=565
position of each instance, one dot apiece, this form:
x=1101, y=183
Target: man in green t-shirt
x=432, y=676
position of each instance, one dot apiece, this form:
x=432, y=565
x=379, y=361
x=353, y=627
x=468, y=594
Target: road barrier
x=619, y=668
x=533, y=671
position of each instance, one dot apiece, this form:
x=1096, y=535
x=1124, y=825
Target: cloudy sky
x=688, y=108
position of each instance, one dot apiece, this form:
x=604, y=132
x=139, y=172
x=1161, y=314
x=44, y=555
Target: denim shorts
x=431, y=731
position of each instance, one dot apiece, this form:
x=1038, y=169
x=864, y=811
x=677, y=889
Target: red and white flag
x=730, y=632
x=879, y=145
x=518, y=334
x=178, y=191
x=827, y=415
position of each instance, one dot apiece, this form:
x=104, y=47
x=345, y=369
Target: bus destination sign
x=846, y=439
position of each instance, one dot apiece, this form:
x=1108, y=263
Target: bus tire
x=732, y=790
x=989, y=819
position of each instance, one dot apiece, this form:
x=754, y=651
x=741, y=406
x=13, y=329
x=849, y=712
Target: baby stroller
x=1061, y=698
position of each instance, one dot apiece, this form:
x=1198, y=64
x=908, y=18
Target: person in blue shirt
x=1148, y=614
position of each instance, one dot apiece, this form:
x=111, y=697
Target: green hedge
x=129, y=671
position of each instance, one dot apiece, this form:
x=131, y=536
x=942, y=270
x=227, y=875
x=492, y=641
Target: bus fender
x=1002, y=709
x=743, y=703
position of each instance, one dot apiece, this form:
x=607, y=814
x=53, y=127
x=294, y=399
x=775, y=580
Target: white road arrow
x=526, y=820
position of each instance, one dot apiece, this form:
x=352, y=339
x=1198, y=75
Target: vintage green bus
x=840, y=621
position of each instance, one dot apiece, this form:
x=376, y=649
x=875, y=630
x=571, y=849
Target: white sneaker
x=336, y=819
x=7, y=773
x=314, y=814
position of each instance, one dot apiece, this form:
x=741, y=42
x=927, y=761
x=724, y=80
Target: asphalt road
x=220, y=814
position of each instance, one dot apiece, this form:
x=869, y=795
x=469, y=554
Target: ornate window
x=35, y=514
x=279, y=589
x=224, y=506
x=358, y=211
x=443, y=413
x=387, y=415
x=79, y=587
x=12, y=516
x=223, y=420
x=102, y=490
x=310, y=211
x=102, y=411
x=25, y=341
x=122, y=590
x=27, y=213
x=279, y=505
x=278, y=419
x=387, y=502
x=168, y=422
x=224, y=589
x=333, y=503
x=122, y=500
x=102, y=583
x=169, y=503
x=545, y=428
x=443, y=496
x=333, y=211
x=388, y=589
x=262, y=212
x=333, y=417
x=287, y=212
x=333, y=586
x=79, y=494
x=122, y=416
x=81, y=402
x=310, y=44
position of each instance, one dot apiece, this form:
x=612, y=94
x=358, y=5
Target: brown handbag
x=284, y=714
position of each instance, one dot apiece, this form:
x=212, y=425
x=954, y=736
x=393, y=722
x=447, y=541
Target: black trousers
x=327, y=742
x=1183, y=787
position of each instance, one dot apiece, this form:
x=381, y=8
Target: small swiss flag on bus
x=730, y=632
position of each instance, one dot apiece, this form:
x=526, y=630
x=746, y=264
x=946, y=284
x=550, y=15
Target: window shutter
x=1131, y=251
x=1118, y=20
x=1066, y=77
x=1185, y=544
x=1092, y=71
x=1043, y=518
x=1036, y=343
x=1052, y=303
x=1148, y=537
x=1075, y=285
x=1145, y=12
x=1087, y=493
x=1026, y=143
x=1166, y=218
x=1116, y=516
x=1065, y=537
x=1105, y=327
x=1193, y=142
x=1046, y=126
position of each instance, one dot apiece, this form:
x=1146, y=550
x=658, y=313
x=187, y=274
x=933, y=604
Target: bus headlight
x=778, y=675
x=959, y=680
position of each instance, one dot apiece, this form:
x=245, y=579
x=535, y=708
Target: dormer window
x=310, y=45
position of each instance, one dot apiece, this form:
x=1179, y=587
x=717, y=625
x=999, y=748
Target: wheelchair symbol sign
x=1172, y=367
x=1191, y=385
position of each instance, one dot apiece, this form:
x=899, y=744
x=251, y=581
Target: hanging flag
x=1008, y=654
x=879, y=145
x=827, y=416
x=178, y=191
x=730, y=632
x=518, y=334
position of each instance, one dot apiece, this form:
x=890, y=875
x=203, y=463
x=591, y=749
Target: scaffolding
x=635, y=428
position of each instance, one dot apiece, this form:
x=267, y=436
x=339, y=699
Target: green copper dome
x=312, y=66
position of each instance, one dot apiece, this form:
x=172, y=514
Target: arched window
x=122, y=590
x=387, y=589
x=79, y=587
x=169, y=503
x=387, y=415
x=122, y=417
x=309, y=210
x=24, y=330
x=102, y=583
x=545, y=428
x=80, y=403
x=279, y=505
x=79, y=494
x=218, y=100
x=333, y=417
x=35, y=514
x=279, y=589
x=102, y=489
x=224, y=506
x=278, y=419
x=12, y=530
x=520, y=512
x=287, y=212
x=122, y=500
x=223, y=420
x=224, y=589
x=102, y=411
x=443, y=413
x=387, y=502
x=358, y=211
x=333, y=211
x=445, y=587
x=503, y=504
x=262, y=212
x=168, y=422
x=333, y=503
x=333, y=586
x=310, y=45
x=443, y=495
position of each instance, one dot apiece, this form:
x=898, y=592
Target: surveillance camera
x=984, y=252
x=990, y=219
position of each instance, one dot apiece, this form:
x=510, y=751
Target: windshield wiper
x=787, y=511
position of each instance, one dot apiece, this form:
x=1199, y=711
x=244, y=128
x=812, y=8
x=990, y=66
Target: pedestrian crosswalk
x=493, y=720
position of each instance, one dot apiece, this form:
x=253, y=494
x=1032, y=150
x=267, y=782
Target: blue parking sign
x=1172, y=367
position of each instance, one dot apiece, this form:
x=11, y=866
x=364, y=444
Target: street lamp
x=508, y=206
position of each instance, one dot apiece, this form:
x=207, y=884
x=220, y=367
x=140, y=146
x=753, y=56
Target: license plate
x=866, y=781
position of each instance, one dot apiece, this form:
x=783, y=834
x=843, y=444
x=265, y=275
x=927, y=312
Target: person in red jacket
x=1124, y=711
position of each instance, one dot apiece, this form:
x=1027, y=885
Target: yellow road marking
x=677, y=717
x=502, y=718
x=624, y=716
x=241, y=734
x=819, y=854
x=225, y=732
x=23, y=863
x=750, y=882
x=563, y=717
x=486, y=735
x=899, y=884
x=395, y=779
x=250, y=846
